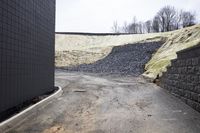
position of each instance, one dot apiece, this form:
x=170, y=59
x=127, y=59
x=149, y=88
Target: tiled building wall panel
x=182, y=78
x=27, y=30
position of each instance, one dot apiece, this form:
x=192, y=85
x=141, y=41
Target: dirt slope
x=177, y=41
x=124, y=60
x=73, y=50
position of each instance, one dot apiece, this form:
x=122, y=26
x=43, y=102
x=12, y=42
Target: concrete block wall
x=182, y=78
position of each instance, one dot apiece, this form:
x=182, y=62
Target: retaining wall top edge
x=189, y=49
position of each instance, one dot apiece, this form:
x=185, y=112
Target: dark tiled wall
x=182, y=78
x=27, y=30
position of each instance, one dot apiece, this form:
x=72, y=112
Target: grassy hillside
x=72, y=50
x=177, y=41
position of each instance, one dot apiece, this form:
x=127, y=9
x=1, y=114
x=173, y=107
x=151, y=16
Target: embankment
x=75, y=49
x=128, y=59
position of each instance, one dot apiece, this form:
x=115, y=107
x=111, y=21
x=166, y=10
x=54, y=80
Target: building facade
x=27, y=36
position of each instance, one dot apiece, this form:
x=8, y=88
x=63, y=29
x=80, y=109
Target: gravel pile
x=128, y=59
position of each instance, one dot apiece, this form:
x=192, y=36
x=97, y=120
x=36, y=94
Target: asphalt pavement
x=94, y=103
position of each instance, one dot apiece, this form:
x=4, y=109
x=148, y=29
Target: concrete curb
x=17, y=119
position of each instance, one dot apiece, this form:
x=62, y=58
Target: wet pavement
x=93, y=103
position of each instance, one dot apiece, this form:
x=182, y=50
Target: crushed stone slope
x=127, y=59
x=74, y=50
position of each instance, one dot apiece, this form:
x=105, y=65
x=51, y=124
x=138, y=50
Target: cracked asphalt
x=94, y=103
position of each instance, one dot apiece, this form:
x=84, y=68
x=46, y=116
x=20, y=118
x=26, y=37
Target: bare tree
x=188, y=19
x=178, y=20
x=115, y=27
x=140, y=27
x=155, y=24
x=166, y=17
x=125, y=27
x=148, y=26
x=132, y=28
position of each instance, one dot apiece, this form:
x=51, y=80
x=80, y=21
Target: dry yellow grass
x=78, y=49
x=72, y=50
x=177, y=41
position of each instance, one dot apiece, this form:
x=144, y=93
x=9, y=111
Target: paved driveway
x=94, y=103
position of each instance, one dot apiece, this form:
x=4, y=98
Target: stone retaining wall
x=182, y=78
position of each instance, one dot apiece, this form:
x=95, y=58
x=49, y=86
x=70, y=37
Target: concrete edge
x=17, y=119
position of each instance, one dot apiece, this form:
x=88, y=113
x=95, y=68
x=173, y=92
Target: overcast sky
x=99, y=15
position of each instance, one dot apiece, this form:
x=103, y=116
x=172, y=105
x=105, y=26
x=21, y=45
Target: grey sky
x=98, y=15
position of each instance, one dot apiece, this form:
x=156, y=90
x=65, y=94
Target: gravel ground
x=128, y=59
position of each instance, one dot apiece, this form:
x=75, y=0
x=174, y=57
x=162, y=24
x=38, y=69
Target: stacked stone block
x=182, y=78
